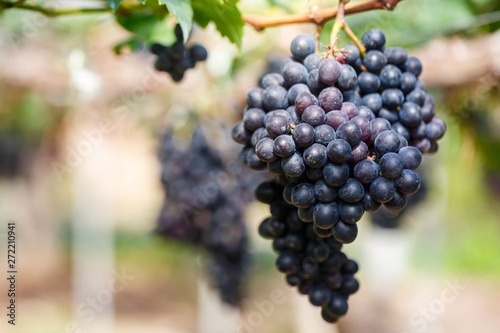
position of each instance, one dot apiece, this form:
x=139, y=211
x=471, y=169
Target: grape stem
x=318, y=15
x=21, y=4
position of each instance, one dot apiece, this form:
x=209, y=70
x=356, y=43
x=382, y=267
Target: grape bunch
x=203, y=206
x=177, y=58
x=310, y=257
x=342, y=135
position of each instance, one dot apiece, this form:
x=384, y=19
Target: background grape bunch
x=203, y=211
x=177, y=58
x=343, y=134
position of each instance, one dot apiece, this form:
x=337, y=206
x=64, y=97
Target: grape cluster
x=177, y=58
x=310, y=257
x=203, y=206
x=342, y=135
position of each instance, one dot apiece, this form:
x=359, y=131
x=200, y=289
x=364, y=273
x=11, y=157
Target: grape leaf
x=183, y=12
x=225, y=14
x=114, y=4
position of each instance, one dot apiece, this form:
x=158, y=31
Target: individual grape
x=408, y=182
x=366, y=112
x=391, y=116
x=325, y=215
x=359, y=153
x=351, y=212
x=315, y=156
x=253, y=119
x=408, y=82
x=424, y=145
x=352, y=191
x=364, y=125
x=349, y=286
x=435, y=129
x=344, y=232
x=277, y=125
x=418, y=132
x=264, y=150
x=304, y=135
x=401, y=130
x=330, y=99
x=313, y=115
x=352, y=53
x=420, y=85
x=391, y=165
x=335, y=174
x=312, y=61
x=366, y=171
x=386, y=142
x=251, y=159
x=339, y=151
x=279, y=209
x=402, y=142
x=396, y=55
x=413, y=65
x=303, y=195
x=350, y=109
x=288, y=262
x=382, y=190
x=266, y=192
x=416, y=96
x=368, y=82
x=319, y=295
x=259, y=134
x=374, y=39
x=283, y=146
x=348, y=78
x=374, y=61
x=427, y=112
x=411, y=157
x=433, y=147
x=314, y=174
x=390, y=76
x=279, y=244
x=329, y=71
x=392, y=98
x=295, y=91
x=293, y=165
x=373, y=101
x=314, y=83
x=324, y=134
x=287, y=193
x=272, y=79
x=240, y=134
x=198, y=53
x=306, y=214
x=303, y=101
x=397, y=203
x=302, y=46
x=349, y=132
x=254, y=98
x=324, y=192
x=336, y=118
x=294, y=73
x=409, y=115
x=369, y=204
x=378, y=125
x=274, y=97
x=286, y=62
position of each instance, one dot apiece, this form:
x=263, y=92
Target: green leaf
x=133, y=43
x=224, y=13
x=114, y=4
x=183, y=12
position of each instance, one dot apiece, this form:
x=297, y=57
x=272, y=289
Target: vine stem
x=21, y=4
x=318, y=15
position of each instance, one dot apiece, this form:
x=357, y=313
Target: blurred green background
x=60, y=80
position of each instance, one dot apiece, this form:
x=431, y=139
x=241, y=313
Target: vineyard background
x=82, y=178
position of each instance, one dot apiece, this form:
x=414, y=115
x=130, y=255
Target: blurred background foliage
x=59, y=75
